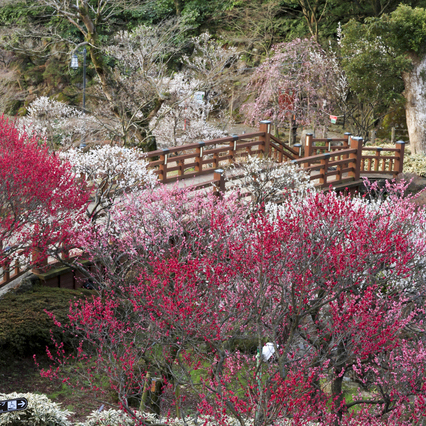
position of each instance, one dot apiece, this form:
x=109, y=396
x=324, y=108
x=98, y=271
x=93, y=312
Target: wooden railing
x=315, y=146
x=35, y=264
x=338, y=166
x=379, y=164
x=202, y=158
x=337, y=163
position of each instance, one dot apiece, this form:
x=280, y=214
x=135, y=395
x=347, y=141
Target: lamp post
x=74, y=66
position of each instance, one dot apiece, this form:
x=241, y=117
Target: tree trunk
x=337, y=394
x=415, y=108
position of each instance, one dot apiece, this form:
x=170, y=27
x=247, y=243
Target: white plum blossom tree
x=213, y=63
x=182, y=118
x=60, y=124
x=140, y=75
x=268, y=183
x=112, y=170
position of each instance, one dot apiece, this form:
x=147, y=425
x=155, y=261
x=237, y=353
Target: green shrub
x=25, y=326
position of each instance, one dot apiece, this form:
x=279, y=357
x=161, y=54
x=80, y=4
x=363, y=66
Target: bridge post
x=233, y=148
x=399, y=162
x=309, y=144
x=324, y=169
x=346, y=141
x=355, y=158
x=377, y=159
x=6, y=272
x=265, y=126
x=199, y=157
x=219, y=185
x=17, y=267
x=163, y=166
x=298, y=146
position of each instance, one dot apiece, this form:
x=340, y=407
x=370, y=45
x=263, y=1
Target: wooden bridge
x=337, y=162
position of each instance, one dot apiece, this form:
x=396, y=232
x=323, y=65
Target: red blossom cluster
x=40, y=200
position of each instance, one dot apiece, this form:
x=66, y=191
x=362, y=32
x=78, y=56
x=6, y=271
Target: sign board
x=199, y=97
x=13, y=405
x=333, y=119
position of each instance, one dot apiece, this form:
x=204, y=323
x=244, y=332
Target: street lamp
x=74, y=66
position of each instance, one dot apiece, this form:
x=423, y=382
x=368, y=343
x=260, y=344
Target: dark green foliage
x=407, y=28
x=19, y=14
x=376, y=53
x=56, y=72
x=13, y=106
x=371, y=65
x=395, y=119
x=24, y=324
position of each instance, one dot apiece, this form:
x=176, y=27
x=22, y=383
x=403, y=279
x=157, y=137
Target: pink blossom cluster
x=300, y=82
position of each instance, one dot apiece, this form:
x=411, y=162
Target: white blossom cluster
x=211, y=57
x=183, y=118
x=41, y=411
x=109, y=417
x=127, y=167
x=56, y=121
x=268, y=182
x=119, y=418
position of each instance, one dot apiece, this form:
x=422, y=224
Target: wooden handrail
x=287, y=147
x=317, y=157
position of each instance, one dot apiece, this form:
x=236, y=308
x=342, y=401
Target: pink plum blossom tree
x=298, y=83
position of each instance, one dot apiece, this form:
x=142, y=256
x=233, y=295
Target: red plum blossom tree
x=40, y=199
x=190, y=286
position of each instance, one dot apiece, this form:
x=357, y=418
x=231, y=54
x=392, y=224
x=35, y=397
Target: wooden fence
x=345, y=161
x=73, y=279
